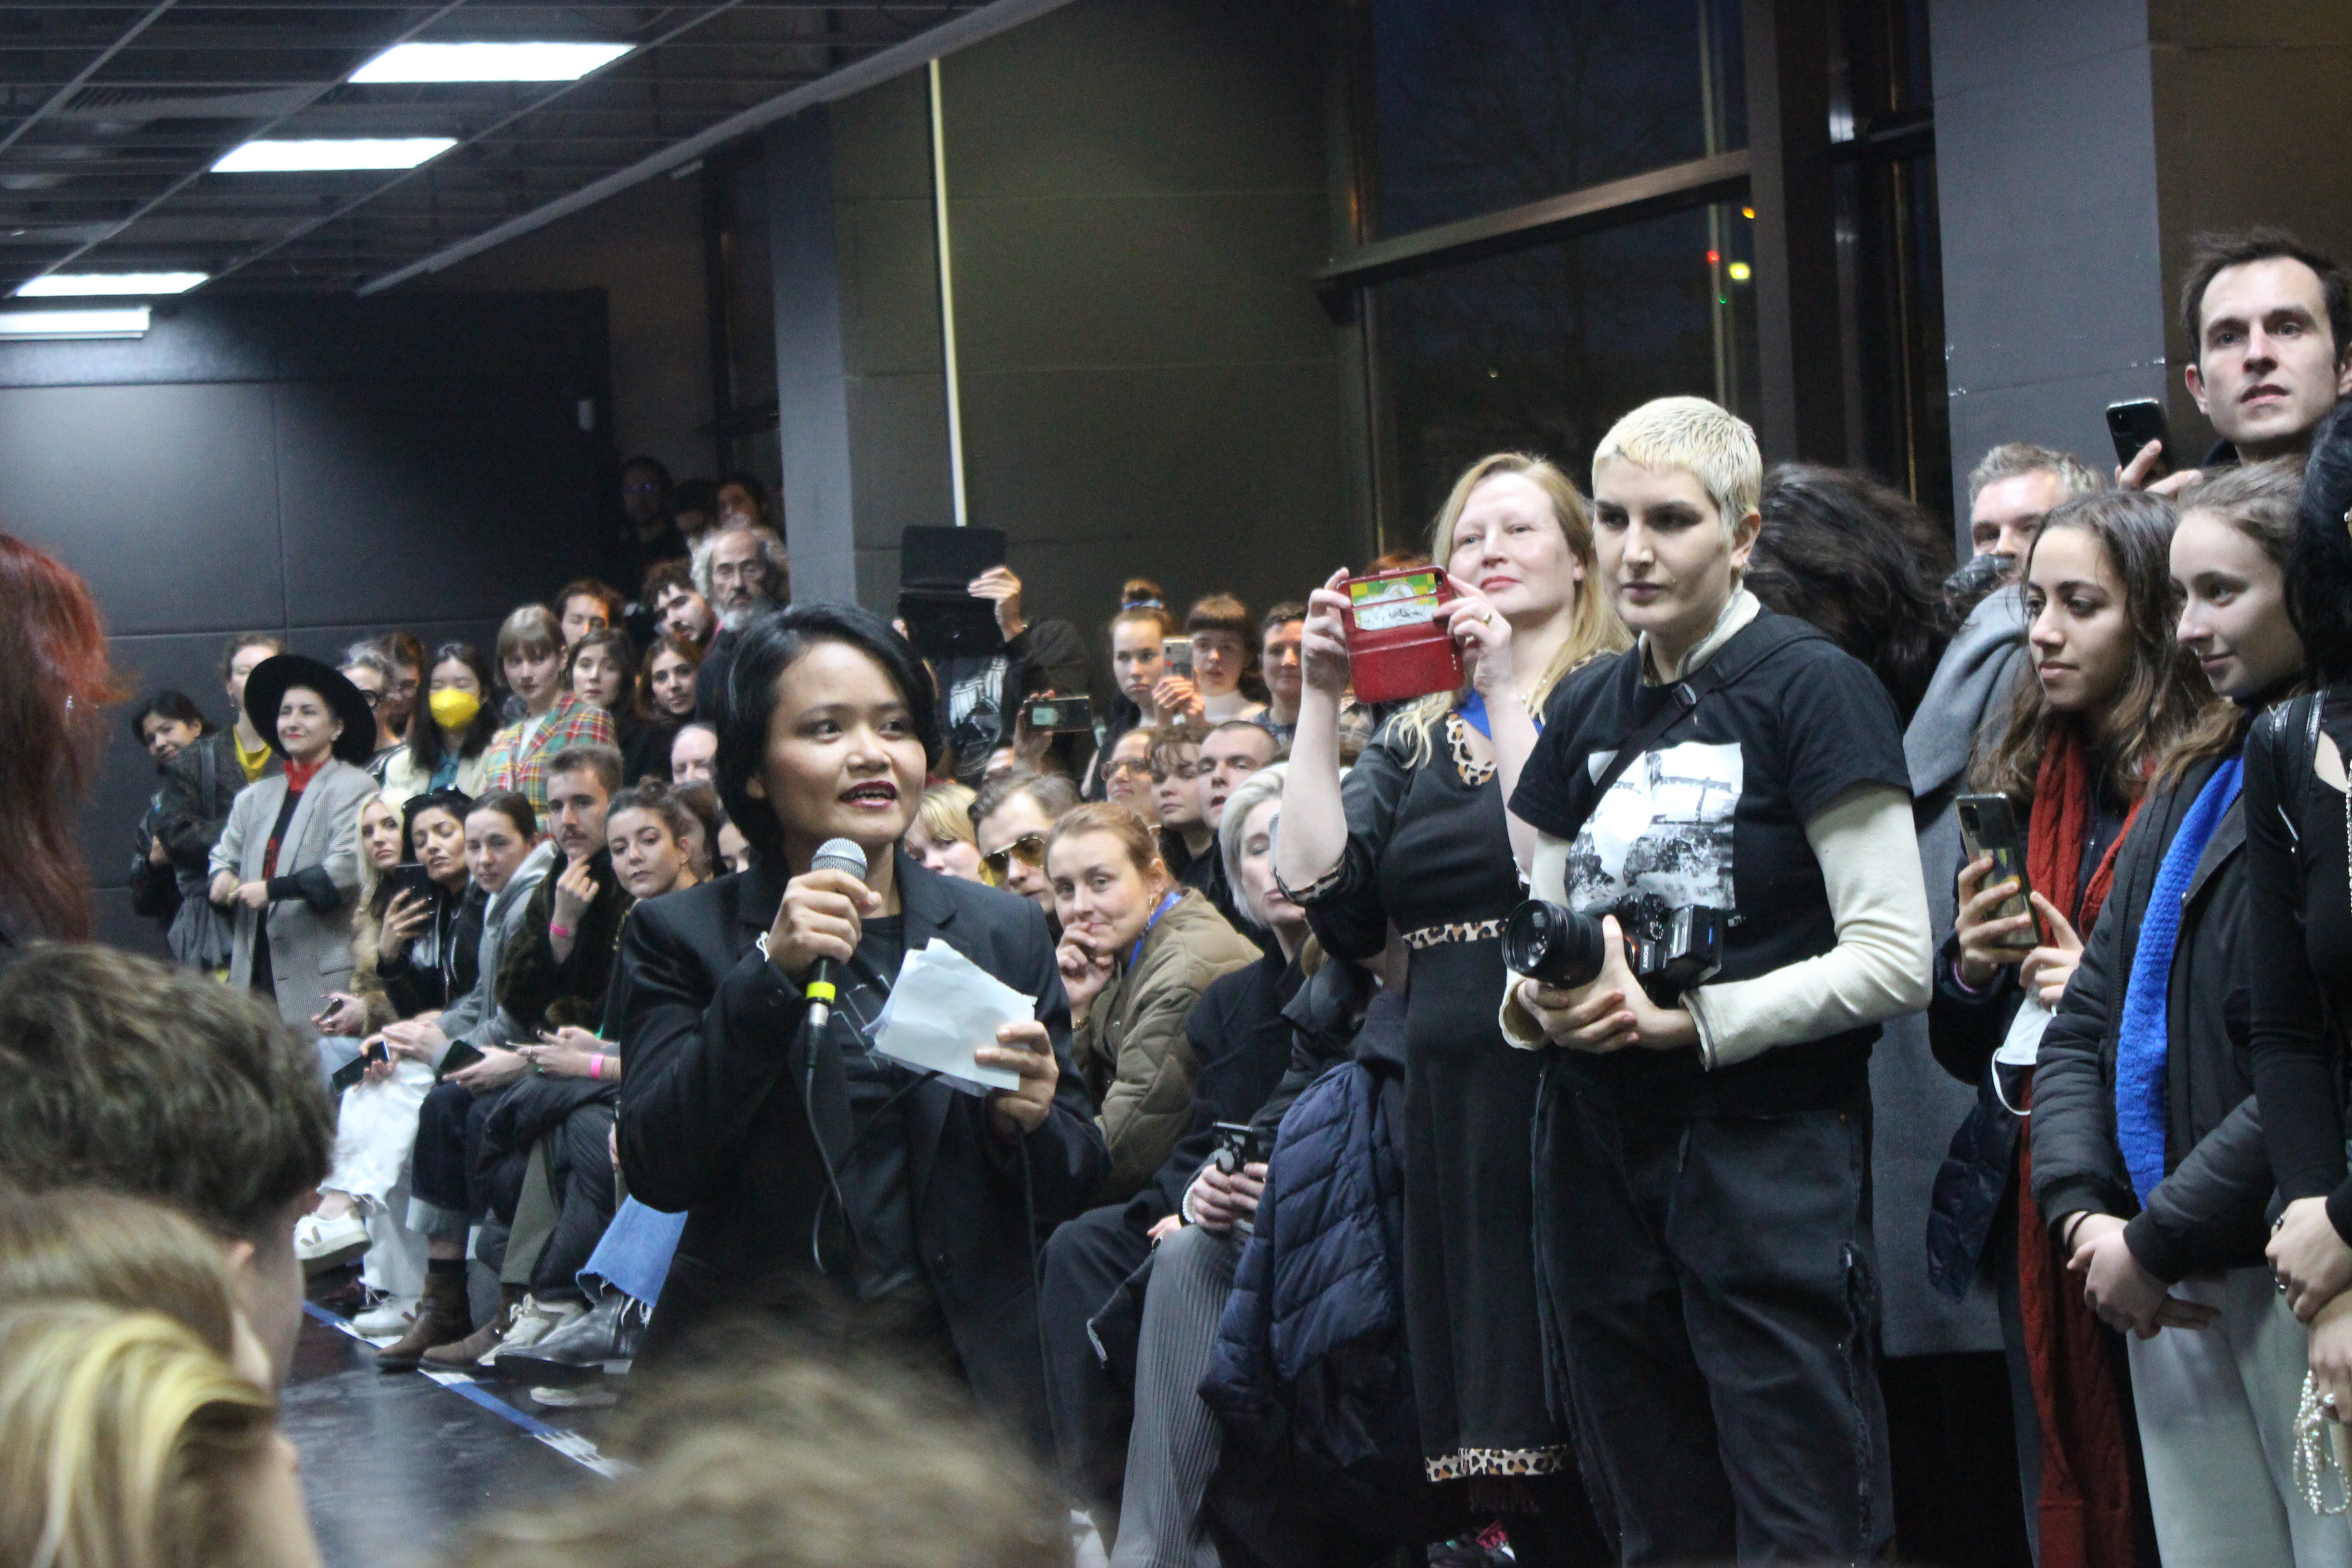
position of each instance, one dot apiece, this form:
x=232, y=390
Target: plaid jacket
x=508, y=763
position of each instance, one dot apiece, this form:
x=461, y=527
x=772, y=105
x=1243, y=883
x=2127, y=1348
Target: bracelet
x=563, y=932
x=597, y=1064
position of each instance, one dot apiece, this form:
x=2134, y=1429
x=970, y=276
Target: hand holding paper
x=942, y=1008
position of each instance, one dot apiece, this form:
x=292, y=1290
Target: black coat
x=193, y=812
x=2208, y=1211
x=541, y=992
x=713, y=1123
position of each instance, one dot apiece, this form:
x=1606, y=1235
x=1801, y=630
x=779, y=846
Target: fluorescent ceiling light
x=64, y=283
x=343, y=152
x=120, y=321
x=489, y=62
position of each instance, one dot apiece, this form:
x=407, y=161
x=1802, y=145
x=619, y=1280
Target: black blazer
x=2208, y=1211
x=713, y=1123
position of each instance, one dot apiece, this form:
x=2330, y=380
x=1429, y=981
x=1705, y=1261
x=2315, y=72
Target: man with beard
x=744, y=571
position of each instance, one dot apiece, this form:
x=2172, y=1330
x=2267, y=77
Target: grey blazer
x=310, y=934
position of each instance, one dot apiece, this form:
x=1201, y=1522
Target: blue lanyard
x=1165, y=905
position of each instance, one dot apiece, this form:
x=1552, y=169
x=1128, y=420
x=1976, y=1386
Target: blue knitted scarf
x=2142, y=1038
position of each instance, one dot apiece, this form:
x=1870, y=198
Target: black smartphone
x=350, y=1073
x=1240, y=1144
x=1061, y=714
x=409, y=878
x=2134, y=424
x=1989, y=826
x=375, y=1050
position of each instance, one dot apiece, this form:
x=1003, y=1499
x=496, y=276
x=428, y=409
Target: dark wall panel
x=163, y=497
x=325, y=469
x=411, y=499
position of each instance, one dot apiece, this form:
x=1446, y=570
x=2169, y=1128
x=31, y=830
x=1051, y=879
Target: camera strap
x=1750, y=647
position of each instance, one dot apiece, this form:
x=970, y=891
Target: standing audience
x=742, y=572
x=449, y=733
x=531, y=657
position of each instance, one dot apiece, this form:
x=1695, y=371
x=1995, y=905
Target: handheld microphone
x=832, y=855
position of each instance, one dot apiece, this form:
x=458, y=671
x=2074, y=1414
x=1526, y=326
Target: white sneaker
x=390, y=1316
x=588, y=1397
x=324, y=1243
x=534, y=1320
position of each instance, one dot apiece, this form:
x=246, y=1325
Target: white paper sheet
x=942, y=1007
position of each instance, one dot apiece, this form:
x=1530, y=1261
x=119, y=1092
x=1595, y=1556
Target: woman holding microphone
x=1417, y=838
x=821, y=1182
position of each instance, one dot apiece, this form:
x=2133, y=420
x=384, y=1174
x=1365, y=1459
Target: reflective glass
x=1479, y=105
x=1541, y=349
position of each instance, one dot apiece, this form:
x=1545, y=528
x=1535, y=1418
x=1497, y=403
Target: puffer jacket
x=1321, y=1275
x=1132, y=1050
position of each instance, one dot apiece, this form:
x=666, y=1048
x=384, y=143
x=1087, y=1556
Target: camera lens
x=1556, y=945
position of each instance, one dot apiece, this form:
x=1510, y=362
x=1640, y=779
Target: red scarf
x=2086, y=1477
x=297, y=779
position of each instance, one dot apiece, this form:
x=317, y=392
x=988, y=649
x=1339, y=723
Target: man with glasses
x=1010, y=819
x=744, y=573
x=369, y=667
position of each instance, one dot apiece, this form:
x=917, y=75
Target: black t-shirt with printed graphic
x=874, y=1178
x=1714, y=813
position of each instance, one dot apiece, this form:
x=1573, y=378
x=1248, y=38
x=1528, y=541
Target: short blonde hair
x=1705, y=440
x=123, y=1441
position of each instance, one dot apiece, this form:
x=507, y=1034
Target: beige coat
x=1132, y=1049
x=309, y=947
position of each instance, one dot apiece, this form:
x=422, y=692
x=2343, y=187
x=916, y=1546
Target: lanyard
x=1165, y=905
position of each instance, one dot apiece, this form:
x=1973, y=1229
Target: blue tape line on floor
x=571, y=1445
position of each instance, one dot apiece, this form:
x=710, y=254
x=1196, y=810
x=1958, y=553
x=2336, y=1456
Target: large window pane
x=1479, y=105
x=1541, y=350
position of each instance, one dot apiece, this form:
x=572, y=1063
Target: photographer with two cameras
x=1417, y=836
x=1722, y=823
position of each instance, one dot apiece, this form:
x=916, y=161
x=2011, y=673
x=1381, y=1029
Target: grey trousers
x=1173, y=1448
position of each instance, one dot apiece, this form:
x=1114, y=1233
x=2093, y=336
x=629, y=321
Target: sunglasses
x=1029, y=849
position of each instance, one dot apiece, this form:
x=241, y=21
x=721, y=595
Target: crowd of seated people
x=1917, y=1123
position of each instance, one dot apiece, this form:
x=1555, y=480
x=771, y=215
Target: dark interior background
x=326, y=469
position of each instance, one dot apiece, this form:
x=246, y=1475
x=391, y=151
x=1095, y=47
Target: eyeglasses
x=1029, y=849
x=372, y=696
x=1122, y=766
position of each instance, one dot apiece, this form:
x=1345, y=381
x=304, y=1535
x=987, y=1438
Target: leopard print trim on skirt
x=1464, y=1463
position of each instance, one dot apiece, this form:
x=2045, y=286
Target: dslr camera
x=1671, y=948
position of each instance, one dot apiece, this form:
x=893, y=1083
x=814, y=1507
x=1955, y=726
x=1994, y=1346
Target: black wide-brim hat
x=266, y=686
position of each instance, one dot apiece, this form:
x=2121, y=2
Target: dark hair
x=615, y=603
x=679, y=573
x=587, y=757
x=1863, y=563
x=770, y=644
x=424, y=735
x=176, y=706
x=56, y=680
x=654, y=466
x=694, y=495
x=699, y=798
x=138, y=1076
x=2319, y=572
x=2210, y=255
x=243, y=640
x=513, y=804
x=456, y=802
x=2163, y=694
x=1141, y=594
x=749, y=484
x=1282, y=615
x=405, y=647
x=670, y=643
x=658, y=800
x=2260, y=500
x=617, y=643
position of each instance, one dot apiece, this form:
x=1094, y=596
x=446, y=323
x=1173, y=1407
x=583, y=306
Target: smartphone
x=1061, y=714
x=375, y=1050
x=2134, y=424
x=1177, y=654
x=1989, y=826
x=350, y=1073
x=1240, y=1144
x=409, y=878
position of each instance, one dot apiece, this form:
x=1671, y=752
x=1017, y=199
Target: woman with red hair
x=56, y=680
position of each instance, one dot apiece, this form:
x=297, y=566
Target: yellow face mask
x=453, y=708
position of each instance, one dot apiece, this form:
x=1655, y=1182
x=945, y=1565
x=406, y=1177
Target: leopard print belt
x=1454, y=930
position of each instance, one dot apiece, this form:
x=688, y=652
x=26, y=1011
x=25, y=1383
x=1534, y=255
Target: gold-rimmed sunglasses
x=1029, y=849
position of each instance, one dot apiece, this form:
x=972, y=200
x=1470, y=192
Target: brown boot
x=441, y=1316
x=464, y=1355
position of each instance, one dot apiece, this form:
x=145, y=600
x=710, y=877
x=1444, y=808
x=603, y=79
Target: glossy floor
x=396, y=1464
